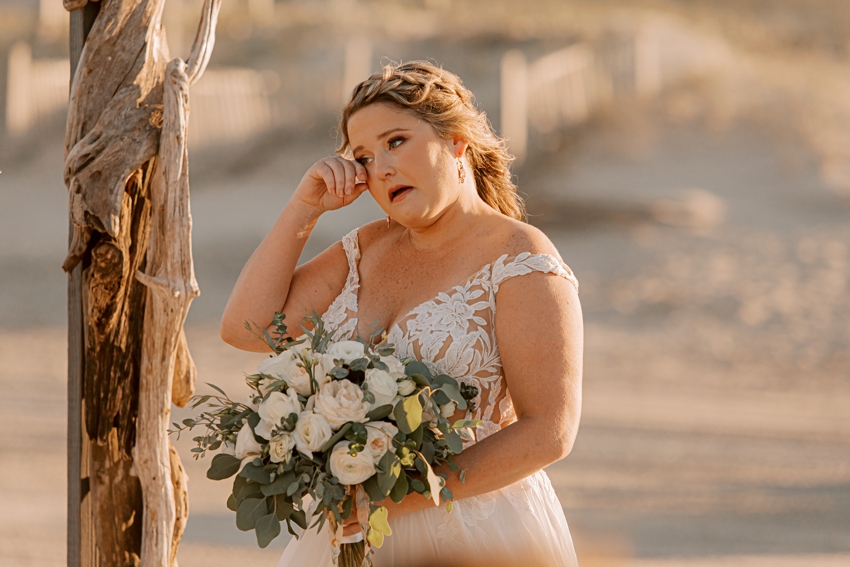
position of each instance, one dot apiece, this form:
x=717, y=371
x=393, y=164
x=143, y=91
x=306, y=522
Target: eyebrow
x=380, y=136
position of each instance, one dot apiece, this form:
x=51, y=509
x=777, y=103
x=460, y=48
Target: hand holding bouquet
x=331, y=429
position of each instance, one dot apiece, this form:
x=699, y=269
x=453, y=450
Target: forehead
x=368, y=123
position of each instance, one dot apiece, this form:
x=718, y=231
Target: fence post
x=18, y=89
x=647, y=63
x=514, y=110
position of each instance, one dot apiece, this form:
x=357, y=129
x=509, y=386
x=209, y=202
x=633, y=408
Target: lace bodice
x=454, y=332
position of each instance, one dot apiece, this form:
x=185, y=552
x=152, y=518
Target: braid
x=439, y=97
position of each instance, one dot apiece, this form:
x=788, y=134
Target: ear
x=459, y=145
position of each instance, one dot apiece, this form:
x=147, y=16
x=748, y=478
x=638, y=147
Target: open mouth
x=398, y=192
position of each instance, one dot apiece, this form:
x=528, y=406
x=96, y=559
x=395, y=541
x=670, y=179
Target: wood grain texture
x=169, y=275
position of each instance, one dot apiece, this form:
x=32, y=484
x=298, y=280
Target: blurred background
x=690, y=160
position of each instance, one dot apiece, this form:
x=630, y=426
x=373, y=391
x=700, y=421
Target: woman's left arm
x=540, y=336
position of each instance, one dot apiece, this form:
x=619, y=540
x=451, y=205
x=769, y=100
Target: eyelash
x=364, y=160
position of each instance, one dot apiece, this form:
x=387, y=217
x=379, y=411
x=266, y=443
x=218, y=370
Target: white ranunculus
x=340, y=401
x=406, y=387
x=350, y=470
x=348, y=351
x=382, y=385
x=448, y=410
x=280, y=448
x=312, y=431
x=245, y=443
x=279, y=406
x=379, y=438
x=395, y=366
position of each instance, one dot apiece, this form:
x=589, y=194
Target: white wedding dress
x=520, y=525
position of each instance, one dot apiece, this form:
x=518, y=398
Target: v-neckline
x=395, y=323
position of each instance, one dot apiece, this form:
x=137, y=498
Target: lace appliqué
x=342, y=313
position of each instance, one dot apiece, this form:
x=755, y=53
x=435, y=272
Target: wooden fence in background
x=228, y=104
x=563, y=88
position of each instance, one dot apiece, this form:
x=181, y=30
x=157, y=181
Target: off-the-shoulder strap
x=525, y=263
x=351, y=245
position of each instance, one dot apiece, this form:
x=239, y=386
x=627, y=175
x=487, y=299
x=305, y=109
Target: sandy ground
x=716, y=422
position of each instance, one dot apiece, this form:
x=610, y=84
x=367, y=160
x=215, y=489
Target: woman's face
x=412, y=171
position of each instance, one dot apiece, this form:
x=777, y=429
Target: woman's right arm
x=270, y=281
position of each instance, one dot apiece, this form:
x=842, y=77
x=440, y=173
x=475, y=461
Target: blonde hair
x=439, y=97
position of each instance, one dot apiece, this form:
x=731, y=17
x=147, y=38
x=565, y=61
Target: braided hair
x=439, y=97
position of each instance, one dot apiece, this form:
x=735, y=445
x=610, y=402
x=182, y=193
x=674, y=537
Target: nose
x=384, y=168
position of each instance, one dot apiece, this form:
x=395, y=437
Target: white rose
x=278, y=406
x=379, y=438
x=323, y=365
x=312, y=431
x=264, y=429
x=348, y=351
x=348, y=469
x=245, y=443
x=280, y=448
x=286, y=367
x=448, y=410
x=406, y=387
x=382, y=385
x=340, y=401
x=395, y=366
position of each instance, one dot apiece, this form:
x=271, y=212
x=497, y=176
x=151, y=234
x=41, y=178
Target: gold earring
x=388, y=221
x=461, y=172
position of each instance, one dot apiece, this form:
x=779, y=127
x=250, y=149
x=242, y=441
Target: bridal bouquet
x=330, y=429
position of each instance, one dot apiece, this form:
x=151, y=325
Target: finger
x=339, y=176
x=327, y=175
x=350, y=175
x=362, y=174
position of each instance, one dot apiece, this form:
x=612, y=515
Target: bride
x=459, y=282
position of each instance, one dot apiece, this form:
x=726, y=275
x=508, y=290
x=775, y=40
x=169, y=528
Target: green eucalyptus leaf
x=373, y=489
x=454, y=442
x=231, y=502
x=256, y=473
x=380, y=412
x=408, y=414
x=300, y=518
x=336, y=437
x=248, y=490
x=279, y=485
x=400, y=489
x=416, y=367
x=249, y=511
x=420, y=380
x=461, y=423
x=267, y=528
x=283, y=507
x=416, y=436
x=223, y=466
x=453, y=392
x=389, y=469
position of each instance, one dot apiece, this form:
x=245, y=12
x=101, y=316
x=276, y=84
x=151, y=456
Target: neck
x=451, y=225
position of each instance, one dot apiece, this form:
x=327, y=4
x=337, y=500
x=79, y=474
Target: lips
x=398, y=191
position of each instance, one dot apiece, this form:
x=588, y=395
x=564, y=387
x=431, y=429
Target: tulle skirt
x=520, y=525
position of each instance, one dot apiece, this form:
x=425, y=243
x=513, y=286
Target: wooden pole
x=81, y=22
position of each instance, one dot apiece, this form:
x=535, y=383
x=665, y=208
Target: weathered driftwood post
x=127, y=175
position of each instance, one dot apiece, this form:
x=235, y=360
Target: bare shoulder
x=519, y=237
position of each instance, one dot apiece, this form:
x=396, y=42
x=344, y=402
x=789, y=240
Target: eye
x=395, y=142
x=363, y=160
